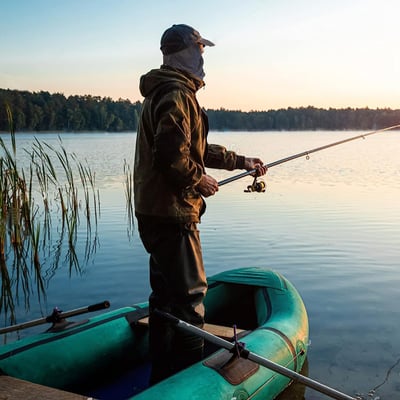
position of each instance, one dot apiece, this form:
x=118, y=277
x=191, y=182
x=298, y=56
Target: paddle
x=244, y=353
x=56, y=316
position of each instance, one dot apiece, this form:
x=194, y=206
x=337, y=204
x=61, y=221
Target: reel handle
x=258, y=186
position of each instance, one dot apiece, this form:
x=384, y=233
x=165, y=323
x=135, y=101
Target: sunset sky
x=269, y=54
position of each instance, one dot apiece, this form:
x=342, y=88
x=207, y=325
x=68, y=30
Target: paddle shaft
x=333, y=393
x=302, y=154
x=61, y=315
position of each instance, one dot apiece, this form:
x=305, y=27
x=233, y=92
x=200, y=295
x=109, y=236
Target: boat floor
x=133, y=381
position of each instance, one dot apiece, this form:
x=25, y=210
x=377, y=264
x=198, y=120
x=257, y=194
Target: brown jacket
x=171, y=148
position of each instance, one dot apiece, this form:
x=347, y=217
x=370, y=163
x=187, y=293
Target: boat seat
x=224, y=332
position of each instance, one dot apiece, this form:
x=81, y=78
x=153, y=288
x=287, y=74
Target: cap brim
x=205, y=42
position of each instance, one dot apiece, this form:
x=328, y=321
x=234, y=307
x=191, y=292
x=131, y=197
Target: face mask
x=189, y=59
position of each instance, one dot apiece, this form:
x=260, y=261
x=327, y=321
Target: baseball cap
x=180, y=37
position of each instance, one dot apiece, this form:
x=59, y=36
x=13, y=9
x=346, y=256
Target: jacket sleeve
x=220, y=158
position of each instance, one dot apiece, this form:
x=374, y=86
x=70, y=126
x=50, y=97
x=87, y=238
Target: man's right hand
x=207, y=186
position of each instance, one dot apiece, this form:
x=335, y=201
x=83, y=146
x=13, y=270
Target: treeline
x=42, y=111
x=303, y=118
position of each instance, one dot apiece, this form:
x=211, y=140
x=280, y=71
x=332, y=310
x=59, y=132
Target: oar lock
x=258, y=185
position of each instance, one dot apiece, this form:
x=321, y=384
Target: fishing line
x=259, y=186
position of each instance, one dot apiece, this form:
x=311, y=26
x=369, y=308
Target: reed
x=31, y=198
x=128, y=173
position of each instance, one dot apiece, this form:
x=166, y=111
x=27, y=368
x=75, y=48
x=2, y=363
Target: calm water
x=330, y=224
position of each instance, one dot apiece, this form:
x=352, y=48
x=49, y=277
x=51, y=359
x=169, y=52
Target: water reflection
x=328, y=224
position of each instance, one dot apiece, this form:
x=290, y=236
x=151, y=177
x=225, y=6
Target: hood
x=167, y=75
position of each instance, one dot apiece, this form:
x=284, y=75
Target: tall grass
x=128, y=173
x=32, y=198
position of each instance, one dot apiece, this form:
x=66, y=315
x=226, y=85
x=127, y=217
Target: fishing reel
x=258, y=185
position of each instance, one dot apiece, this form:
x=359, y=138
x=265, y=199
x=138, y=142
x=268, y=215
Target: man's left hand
x=255, y=163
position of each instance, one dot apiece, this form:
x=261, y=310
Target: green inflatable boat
x=107, y=357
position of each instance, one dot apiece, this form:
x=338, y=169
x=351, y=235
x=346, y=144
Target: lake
x=330, y=224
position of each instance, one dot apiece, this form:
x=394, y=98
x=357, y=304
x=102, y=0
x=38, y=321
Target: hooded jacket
x=171, y=148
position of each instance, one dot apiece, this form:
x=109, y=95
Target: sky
x=268, y=54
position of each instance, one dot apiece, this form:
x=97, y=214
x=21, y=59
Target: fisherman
x=170, y=184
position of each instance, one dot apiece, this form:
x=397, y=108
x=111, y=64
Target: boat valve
x=258, y=185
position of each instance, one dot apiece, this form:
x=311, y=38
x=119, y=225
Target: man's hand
x=255, y=163
x=207, y=186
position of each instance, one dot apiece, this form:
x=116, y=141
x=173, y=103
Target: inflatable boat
x=107, y=355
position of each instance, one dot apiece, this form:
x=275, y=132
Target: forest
x=43, y=111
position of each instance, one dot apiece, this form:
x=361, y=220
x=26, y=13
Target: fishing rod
x=259, y=186
x=244, y=353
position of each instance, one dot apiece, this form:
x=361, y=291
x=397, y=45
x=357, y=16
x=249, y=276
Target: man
x=170, y=184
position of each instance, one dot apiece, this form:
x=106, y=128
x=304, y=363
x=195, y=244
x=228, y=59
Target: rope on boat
x=372, y=392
